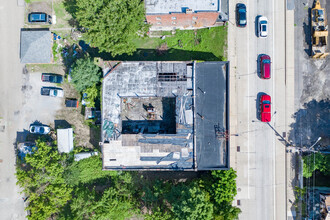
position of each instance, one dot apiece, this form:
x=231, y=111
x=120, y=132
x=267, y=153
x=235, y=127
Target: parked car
x=52, y=91
x=263, y=27
x=39, y=129
x=51, y=77
x=38, y=17
x=241, y=15
x=265, y=66
x=265, y=108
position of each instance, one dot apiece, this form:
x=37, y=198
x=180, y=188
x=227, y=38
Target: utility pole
x=304, y=149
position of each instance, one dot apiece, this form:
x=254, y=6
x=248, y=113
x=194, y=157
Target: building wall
x=183, y=20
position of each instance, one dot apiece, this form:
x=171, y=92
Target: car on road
x=265, y=66
x=39, y=129
x=52, y=91
x=262, y=27
x=51, y=77
x=38, y=17
x=241, y=15
x=265, y=108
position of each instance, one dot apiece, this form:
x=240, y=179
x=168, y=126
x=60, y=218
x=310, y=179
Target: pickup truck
x=51, y=77
x=52, y=91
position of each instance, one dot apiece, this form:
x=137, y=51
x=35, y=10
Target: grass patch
x=203, y=44
x=55, y=51
x=62, y=16
x=211, y=40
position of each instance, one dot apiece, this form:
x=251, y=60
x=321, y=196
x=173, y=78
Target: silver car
x=263, y=27
x=39, y=129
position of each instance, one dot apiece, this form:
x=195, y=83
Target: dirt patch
x=45, y=68
x=85, y=136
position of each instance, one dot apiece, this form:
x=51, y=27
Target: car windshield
x=42, y=130
x=55, y=92
x=266, y=61
x=33, y=129
x=266, y=102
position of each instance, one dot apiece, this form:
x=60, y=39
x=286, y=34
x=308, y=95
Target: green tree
x=42, y=181
x=112, y=24
x=314, y=162
x=190, y=202
x=222, y=188
x=92, y=94
x=85, y=74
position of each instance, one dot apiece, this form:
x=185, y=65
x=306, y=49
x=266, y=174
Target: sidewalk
x=292, y=160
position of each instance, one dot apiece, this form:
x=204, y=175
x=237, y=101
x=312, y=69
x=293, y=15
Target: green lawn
x=204, y=44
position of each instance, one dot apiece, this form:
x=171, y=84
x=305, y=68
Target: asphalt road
x=20, y=105
x=11, y=20
x=260, y=181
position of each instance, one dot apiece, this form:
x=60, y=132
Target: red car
x=265, y=108
x=265, y=66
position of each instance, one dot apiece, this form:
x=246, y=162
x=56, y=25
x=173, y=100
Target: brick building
x=185, y=14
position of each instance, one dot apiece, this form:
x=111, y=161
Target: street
x=260, y=159
x=11, y=20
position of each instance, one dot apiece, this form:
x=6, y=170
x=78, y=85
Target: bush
x=85, y=74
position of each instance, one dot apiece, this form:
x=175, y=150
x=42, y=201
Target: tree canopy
x=43, y=182
x=111, y=25
x=85, y=74
x=313, y=162
x=60, y=188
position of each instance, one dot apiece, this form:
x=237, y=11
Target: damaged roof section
x=148, y=117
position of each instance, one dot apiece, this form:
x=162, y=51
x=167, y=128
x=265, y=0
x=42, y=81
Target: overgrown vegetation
x=85, y=74
x=59, y=188
x=317, y=161
x=110, y=25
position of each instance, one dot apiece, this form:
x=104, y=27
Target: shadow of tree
x=310, y=123
x=71, y=7
x=153, y=55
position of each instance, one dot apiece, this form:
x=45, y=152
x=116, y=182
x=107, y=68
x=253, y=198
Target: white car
x=39, y=129
x=263, y=27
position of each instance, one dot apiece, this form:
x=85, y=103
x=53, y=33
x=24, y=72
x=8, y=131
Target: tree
x=314, y=162
x=112, y=24
x=92, y=93
x=190, y=202
x=222, y=188
x=85, y=74
x=42, y=181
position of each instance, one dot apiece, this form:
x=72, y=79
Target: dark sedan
x=51, y=77
x=241, y=15
x=38, y=17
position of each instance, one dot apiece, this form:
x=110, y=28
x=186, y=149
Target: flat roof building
x=185, y=14
x=165, y=116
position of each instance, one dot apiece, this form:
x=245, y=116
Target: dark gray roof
x=211, y=115
x=35, y=46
